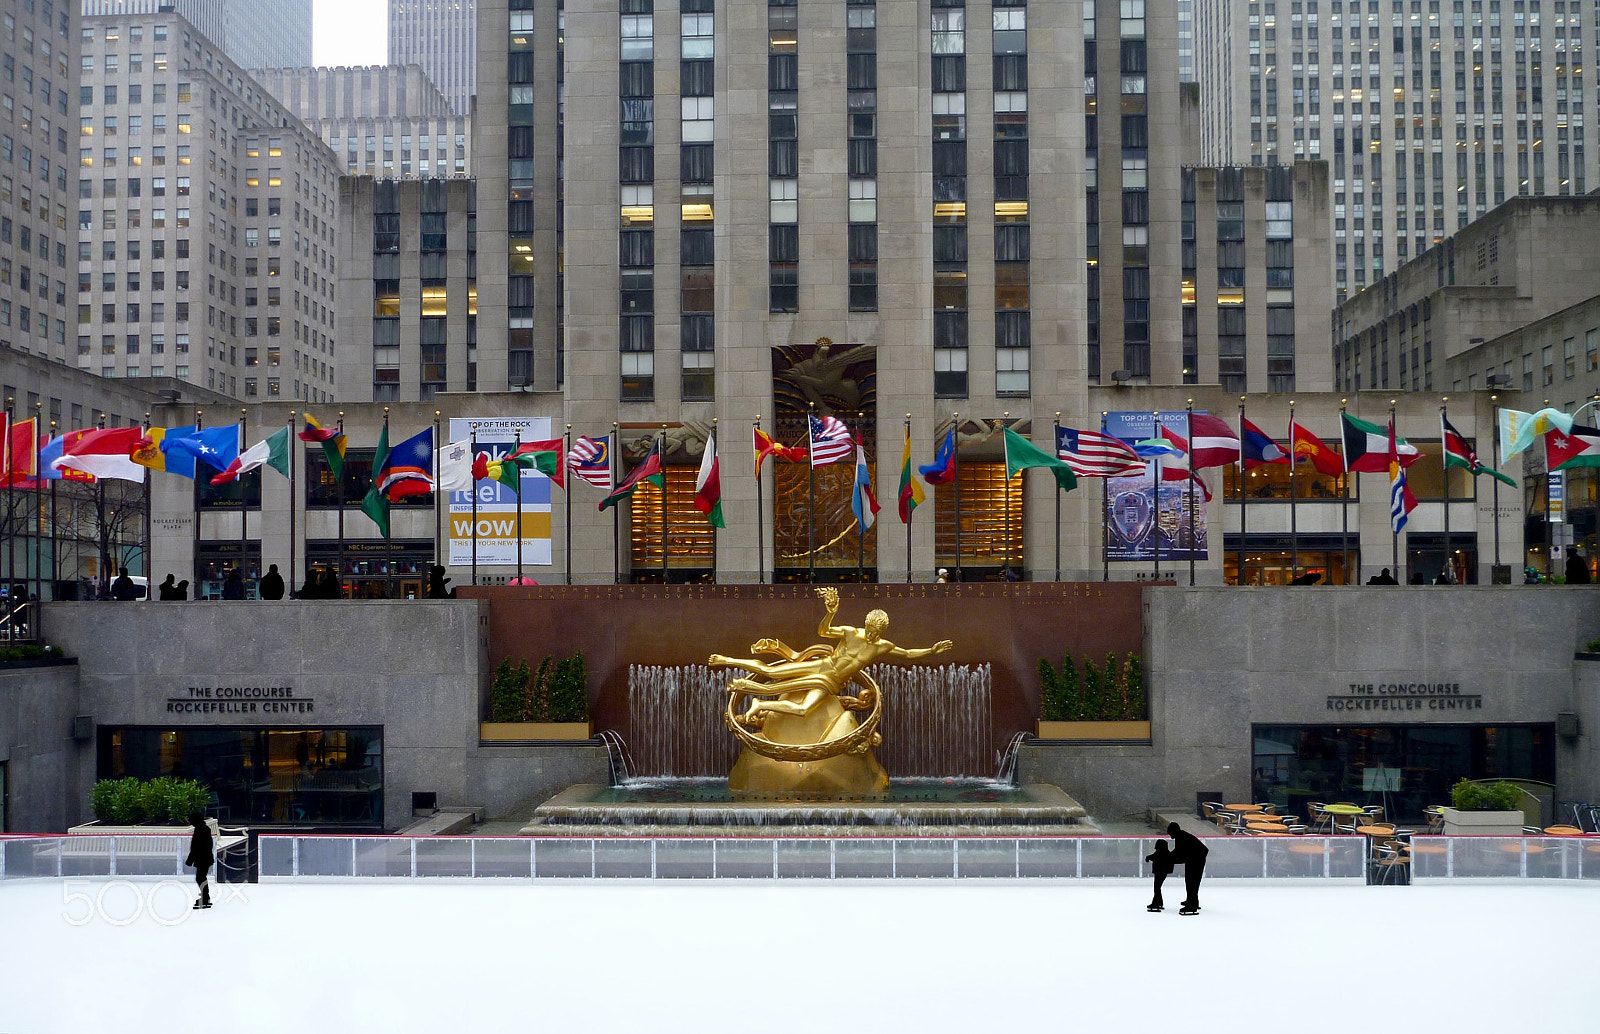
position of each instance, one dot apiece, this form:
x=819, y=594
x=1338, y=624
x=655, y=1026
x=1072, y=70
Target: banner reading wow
x=497, y=504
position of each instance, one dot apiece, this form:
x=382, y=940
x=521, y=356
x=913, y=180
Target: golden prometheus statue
x=800, y=732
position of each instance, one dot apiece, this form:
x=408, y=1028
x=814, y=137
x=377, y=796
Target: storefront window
x=1277, y=563
x=1270, y=481
x=257, y=776
x=1293, y=764
x=243, y=491
x=212, y=562
x=1426, y=476
x=322, y=491
x=371, y=570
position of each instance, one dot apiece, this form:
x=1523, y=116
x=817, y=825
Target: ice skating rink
x=131, y=956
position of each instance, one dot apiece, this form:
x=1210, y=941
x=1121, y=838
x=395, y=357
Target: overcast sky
x=349, y=32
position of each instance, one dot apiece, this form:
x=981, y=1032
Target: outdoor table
x=1345, y=810
x=1243, y=809
x=1563, y=831
x=1375, y=831
x=1269, y=829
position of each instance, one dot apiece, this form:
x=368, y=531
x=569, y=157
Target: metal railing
x=356, y=857
x=35, y=857
x=1539, y=858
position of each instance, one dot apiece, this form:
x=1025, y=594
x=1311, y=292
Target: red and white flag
x=105, y=452
x=1214, y=443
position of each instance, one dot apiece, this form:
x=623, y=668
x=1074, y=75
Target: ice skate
x=1154, y=908
x=1189, y=910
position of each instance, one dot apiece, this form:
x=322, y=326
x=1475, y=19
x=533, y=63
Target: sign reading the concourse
x=1404, y=696
x=240, y=700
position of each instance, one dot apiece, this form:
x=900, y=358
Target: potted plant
x=1483, y=809
x=129, y=805
x=1105, y=704
x=550, y=703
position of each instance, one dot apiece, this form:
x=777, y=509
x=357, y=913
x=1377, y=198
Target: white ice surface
x=810, y=956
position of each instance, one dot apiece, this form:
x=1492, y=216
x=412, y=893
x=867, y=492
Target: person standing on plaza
x=271, y=586
x=201, y=855
x=233, y=584
x=1189, y=852
x=168, y=589
x=943, y=576
x=1577, y=568
x=123, y=588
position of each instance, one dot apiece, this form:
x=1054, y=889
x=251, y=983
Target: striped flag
x=830, y=440
x=1258, y=447
x=1578, y=448
x=590, y=460
x=1091, y=454
x=765, y=446
x=1213, y=443
x=1401, y=501
x=862, y=499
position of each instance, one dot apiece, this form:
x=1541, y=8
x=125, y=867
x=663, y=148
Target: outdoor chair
x=1320, y=820
x=1389, y=862
x=1435, y=821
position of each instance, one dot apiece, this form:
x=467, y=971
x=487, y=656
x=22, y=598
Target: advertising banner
x=497, y=503
x=1140, y=520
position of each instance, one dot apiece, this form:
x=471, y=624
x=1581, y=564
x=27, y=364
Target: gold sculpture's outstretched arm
x=830, y=600
x=940, y=647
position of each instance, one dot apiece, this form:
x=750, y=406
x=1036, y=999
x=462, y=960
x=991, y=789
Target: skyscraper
x=442, y=37
x=253, y=33
x=1429, y=117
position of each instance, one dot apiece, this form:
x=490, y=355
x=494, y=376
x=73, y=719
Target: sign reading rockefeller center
x=1405, y=696
x=240, y=700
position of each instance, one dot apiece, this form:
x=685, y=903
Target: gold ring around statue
x=859, y=740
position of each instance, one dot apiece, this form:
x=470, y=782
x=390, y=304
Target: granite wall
x=45, y=767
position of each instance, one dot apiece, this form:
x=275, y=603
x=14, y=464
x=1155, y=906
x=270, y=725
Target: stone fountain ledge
x=575, y=812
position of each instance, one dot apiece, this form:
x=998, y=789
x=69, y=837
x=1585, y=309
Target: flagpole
x=294, y=496
x=1239, y=575
x=1344, y=498
x=566, y=453
x=474, y=478
x=438, y=520
x=1155, y=516
x=1444, y=458
x=55, y=560
x=616, y=511
x=761, y=521
x=1189, y=428
x=955, y=460
x=1294, y=508
x=518, y=491
x=1006, y=455
x=149, y=567
x=1105, y=523
x=388, y=545
x=719, y=499
x=339, y=557
x=194, y=498
x=1548, y=530
x=811, y=508
x=1394, y=533
x=909, y=512
x=244, y=500
x=661, y=452
x=861, y=525
x=38, y=511
x=1494, y=403
x=100, y=521
x=1057, y=446
x=11, y=502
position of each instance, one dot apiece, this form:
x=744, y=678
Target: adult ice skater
x=1189, y=852
x=200, y=856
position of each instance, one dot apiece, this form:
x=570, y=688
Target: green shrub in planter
x=569, y=691
x=174, y=800
x=128, y=802
x=1470, y=796
x=1592, y=646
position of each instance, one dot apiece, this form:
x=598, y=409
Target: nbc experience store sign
x=1404, y=696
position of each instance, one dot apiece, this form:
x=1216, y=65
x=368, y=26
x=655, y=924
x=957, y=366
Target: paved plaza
x=792, y=956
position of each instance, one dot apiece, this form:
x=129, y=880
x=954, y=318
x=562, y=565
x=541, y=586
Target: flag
x=1457, y=453
x=765, y=447
x=862, y=501
x=1257, y=448
x=1174, y=456
x=1579, y=447
x=1092, y=454
x=19, y=470
x=590, y=460
x=1518, y=429
x=505, y=470
x=1022, y=454
x=544, y=456
x=1308, y=446
x=1401, y=501
x=708, y=485
x=942, y=470
x=1366, y=447
x=375, y=504
x=455, y=467
x=333, y=442
x=829, y=440
x=1212, y=442
x=649, y=470
x=216, y=447
x=407, y=469
x=151, y=454
x=271, y=451
x=52, y=450
x=911, y=494
x=106, y=453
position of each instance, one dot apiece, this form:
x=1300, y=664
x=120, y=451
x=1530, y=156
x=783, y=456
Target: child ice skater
x=1161, y=865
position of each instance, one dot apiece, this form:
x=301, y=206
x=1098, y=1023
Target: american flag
x=590, y=459
x=830, y=441
x=1091, y=454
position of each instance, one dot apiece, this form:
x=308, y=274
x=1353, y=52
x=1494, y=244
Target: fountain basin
x=705, y=807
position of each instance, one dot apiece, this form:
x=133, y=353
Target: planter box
x=94, y=828
x=530, y=732
x=1481, y=823
x=1130, y=731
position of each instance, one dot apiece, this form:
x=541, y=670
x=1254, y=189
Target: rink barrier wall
x=322, y=858
x=1538, y=858
x=33, y=857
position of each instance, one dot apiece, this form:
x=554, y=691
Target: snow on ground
x=915, y=956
